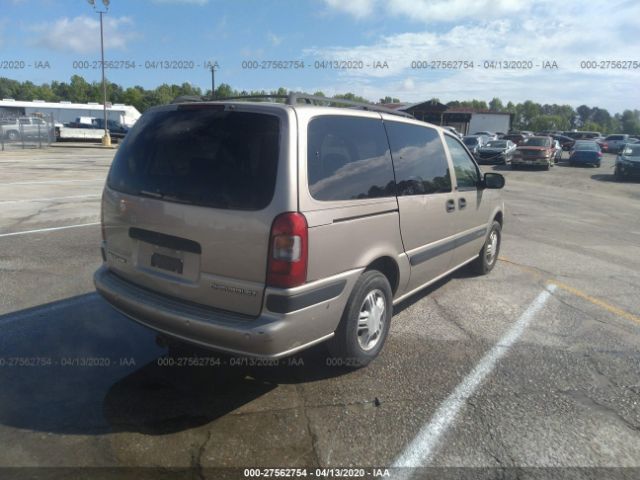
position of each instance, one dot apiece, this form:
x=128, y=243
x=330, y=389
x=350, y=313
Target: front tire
x=365, y=322
x=617, y=174
x=488, y=256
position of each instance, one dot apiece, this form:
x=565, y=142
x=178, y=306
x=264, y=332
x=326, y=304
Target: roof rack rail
x=294, y=98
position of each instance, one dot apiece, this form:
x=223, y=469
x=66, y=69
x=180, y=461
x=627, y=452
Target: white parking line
x=52, y=229
x=419, y=452
x=50, y=199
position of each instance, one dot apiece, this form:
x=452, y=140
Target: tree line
x=527, y=115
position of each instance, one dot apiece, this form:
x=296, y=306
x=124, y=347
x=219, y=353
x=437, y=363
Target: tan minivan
x=260, y=229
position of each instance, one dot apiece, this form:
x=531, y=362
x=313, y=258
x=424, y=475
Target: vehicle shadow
x=78, y=367
x=611, y=178
x=566, y=164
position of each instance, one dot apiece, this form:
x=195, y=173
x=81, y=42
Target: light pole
x=213, y=81
x=106, y=140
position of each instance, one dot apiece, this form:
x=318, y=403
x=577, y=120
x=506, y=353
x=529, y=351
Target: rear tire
x=488, y=256
x=365, y=322
x=617, y=174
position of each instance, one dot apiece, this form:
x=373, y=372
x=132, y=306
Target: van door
x=472, y=209
x=425, y=199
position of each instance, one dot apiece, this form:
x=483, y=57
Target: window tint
x=419, y=159
x=348, y=158
x=464, y=166
x=201, y=156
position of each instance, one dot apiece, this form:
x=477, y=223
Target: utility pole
x=106, y=140
x=213, y=80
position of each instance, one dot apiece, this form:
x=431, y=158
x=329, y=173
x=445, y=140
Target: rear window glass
x=348, y=158
x=537, y=142
x=587, y=146
x=200, y=156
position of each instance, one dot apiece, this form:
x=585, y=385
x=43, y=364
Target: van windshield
x=200, y=156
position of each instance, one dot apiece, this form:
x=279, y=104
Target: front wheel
x=488, y=256
x=619, y=177
x=365, y=322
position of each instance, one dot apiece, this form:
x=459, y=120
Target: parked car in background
x=454, y=131
x=496, y=152
x=487, y=135
x=582, y=135
x=534, y=151
x=614, y=143
x=500, y=135
x=116, y=129
x=558, y=150
x=218, y=231
x=565, y=142
x=585, y=152
x=628, y=161
x=516, y=138
x=473, y=143
x=17, y=128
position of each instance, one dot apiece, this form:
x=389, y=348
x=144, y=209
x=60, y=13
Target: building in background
x=465, y=120
x=64, y=112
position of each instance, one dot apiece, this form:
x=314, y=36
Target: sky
x=380, y=40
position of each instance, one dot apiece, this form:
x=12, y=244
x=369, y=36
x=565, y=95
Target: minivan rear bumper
x=270, y=335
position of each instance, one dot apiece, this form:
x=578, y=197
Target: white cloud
x=430, y=10
x=567, y=33
x=357, y=8
x=82, y=34
x=274, y=39
x=453, y=10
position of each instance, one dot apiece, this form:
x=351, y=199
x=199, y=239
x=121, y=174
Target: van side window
x=467, y=175
x=418, y=159
x=348, y=158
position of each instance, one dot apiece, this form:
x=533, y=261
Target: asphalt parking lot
x=536, y=365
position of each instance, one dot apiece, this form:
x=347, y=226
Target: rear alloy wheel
x=365, y=322
x=488, y=256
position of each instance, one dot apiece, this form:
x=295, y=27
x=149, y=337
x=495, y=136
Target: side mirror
x=493, y=180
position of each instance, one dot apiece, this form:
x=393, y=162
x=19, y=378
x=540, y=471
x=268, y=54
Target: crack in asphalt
x=312, y=435
x=196, y=460
x=586, y=400
x=449, y=316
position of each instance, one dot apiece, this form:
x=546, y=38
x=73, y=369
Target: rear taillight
x=288, y=247
x=599, y=154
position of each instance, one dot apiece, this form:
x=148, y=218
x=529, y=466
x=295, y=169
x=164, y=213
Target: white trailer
x=65, y=112
x=490, y=122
